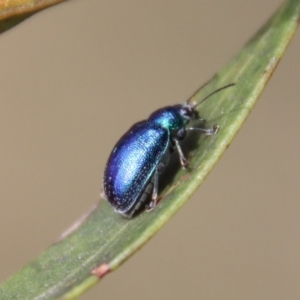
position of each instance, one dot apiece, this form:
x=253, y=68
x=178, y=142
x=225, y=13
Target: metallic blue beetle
x=134, y=165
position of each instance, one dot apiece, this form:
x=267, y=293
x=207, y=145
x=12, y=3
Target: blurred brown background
x=74, y=77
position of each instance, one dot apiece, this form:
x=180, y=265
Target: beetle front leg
x=206, y=131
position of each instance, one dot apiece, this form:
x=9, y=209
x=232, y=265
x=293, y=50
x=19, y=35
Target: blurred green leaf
x=104, y=240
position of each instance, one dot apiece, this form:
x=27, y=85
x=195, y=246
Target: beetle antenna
x=214, y=92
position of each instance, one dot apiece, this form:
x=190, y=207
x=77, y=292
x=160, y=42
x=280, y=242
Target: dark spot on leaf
x=185, y=177
x=101, y=271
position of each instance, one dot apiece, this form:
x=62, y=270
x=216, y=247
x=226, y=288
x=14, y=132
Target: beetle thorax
x=170, y=117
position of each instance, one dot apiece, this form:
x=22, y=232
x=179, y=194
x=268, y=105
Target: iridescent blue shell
x=132, y=164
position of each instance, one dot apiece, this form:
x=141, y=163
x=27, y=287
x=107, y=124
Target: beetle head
x=189, y=110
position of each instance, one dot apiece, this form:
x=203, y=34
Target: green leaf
x=104, y=240
x=13, y=12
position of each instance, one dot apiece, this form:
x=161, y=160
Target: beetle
x=132, y=172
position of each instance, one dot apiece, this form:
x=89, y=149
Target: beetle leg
x=183, y=161
x=207, y=131
x=140, y=202
x=181, y=133
x=159, y=169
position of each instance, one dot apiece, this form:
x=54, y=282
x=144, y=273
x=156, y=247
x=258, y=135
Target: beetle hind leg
x=154, y=199
x=141, y=201
x=152, y=187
